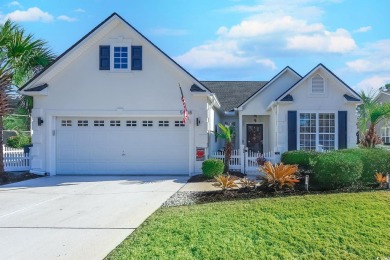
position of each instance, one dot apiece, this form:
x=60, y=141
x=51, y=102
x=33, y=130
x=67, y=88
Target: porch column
x=242, y=159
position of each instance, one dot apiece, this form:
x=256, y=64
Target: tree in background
x=21, y=57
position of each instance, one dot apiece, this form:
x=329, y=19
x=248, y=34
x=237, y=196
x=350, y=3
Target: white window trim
x=336, y=123
x=385, y=133
x=112, y=69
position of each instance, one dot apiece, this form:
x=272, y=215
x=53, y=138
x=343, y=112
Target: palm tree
x=377, y=113
x=370, y=113
x=227, y=135
x=21, y=57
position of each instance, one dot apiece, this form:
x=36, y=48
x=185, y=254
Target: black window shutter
x=292, y=130
x=342, y=121
x=104, y=57
x=136, y=57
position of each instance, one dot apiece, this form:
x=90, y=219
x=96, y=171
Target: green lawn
x=336, y=226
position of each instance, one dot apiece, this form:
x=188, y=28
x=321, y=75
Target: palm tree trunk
x=228, y=155
x=4, y=82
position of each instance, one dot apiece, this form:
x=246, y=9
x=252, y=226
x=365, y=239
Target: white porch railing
x=246, y=161
x=15, y=159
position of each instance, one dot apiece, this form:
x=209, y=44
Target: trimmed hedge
x=336, y=170
x=304, y=159
x=212, y=168
x=374, y=160
x=340, y=168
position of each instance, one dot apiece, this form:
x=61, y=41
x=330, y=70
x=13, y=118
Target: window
x=317, y=85
x=98, y=123
x=131, y=123
x=163, y=123
x=307, y=131
x=385, y=134
x=66, y=122
x=82, y=123
x=179, y=124
x=121, y=58
x=115, y=123
x=317, y=129
x=147, y=123
x=327, y=130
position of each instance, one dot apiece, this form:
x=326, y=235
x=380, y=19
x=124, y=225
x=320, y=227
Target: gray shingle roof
x=231, y=94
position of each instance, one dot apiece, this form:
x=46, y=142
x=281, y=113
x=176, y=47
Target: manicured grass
x=335, y=226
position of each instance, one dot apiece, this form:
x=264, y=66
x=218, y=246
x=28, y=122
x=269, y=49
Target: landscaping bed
x=182, y=198
x=11, y=177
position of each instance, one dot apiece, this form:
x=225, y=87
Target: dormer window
x=317, y=85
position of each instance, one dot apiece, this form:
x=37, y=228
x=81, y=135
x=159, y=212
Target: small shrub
x=380, y=179
x=212, y=168
x=226, y=182
x=279, y=176
x=337, y=170
x=304, y=159
x=18, y=141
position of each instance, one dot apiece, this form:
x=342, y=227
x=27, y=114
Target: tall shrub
x=336, y=170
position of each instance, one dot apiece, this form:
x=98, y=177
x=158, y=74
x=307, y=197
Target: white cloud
x=66, y=18
x=169, y=31
x=374, y=57
x=363, y=29
x=339, y=41
x=15, y=3
x=267, y=63
x=32, y=14
x=212, y=55
x=79, y=10
x=258, y=26
x=372, y=84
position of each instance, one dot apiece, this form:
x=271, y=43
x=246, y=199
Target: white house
x=111, y=104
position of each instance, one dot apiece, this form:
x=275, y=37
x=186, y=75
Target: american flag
x=185, y=111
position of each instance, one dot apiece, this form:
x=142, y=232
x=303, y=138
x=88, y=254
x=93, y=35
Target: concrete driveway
x=76, y=217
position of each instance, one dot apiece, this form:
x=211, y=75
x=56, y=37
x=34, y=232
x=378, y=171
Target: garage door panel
x=121, y=149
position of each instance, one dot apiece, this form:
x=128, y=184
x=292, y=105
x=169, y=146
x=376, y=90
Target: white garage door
x=122, y=146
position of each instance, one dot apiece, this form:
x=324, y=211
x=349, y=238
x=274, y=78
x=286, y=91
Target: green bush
x=374, y=160
x=212, y=168
x=304, y=159
x=19, y=141
x=337, y=169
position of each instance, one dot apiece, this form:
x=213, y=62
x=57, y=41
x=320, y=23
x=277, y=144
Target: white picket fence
x=245, y=161
x=15, y=159
x=235, y=160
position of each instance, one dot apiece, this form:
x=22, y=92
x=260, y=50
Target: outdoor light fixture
x=197, y=121
x=40, y=121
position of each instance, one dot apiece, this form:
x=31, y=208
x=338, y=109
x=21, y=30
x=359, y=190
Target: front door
x=254, y=137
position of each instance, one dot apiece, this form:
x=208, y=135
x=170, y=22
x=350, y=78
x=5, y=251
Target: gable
x=319, y=90
x=259, y=102
x=77, y=75
x=318, y=77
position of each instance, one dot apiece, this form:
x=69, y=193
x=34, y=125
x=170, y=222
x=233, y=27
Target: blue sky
x=234, y=39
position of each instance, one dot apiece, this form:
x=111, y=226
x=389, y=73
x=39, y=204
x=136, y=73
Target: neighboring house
x=383, y=127
x=111, y=104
